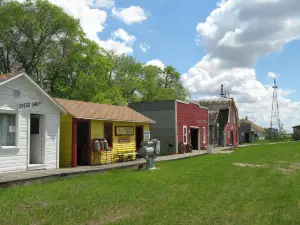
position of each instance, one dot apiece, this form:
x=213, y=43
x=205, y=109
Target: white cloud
x=123, y=35
x=92, y=20
x=144, y=47
x=101, y=3
x=273, y=75
x=117, y=46
x=235, y=36
x=120, y=41
x=130, y=15
x=156, y=62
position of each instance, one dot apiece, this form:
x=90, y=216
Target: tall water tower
x=274, y=131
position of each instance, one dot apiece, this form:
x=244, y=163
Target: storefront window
x=108, y=133
x=204, y=135
x=7, y=130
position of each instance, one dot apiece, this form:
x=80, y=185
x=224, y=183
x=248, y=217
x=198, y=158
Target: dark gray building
x=165, y=127
x=296, y=133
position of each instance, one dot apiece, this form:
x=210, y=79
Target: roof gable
x=5, y=78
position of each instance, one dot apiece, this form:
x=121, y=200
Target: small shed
x=296, y=133
x=250, y=131
x=123, y=128
x=29, y=125
x=177, y=123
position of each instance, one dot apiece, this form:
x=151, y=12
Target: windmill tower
x=275, y=119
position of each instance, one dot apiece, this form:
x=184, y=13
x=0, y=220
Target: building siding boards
x=97, y=131
x=65, y=156
x=163, y=113
x=191, y=115
x=170, y=116
x=17, y=159
x=232, y=126
x=228, y=120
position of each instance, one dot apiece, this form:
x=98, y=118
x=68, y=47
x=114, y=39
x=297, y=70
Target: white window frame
x=17, y=129
x=229, y=115
x=184, y=134
x=204, y=135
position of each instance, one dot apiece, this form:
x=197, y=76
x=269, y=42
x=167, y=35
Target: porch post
x=74, y=142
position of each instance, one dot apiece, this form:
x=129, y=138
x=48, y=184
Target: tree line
x=40, y=39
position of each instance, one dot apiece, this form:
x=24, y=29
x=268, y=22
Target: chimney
x=222, y=91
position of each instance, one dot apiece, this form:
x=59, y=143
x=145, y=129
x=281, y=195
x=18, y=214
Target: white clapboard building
x=29, y=125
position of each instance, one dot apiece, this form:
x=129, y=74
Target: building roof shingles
x=254, y=126
x=215, y=104
x=89, y=110
x=4, y=77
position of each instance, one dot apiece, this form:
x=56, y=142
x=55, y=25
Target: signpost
x=124, y=131
x=146, y=135
x=124, y=139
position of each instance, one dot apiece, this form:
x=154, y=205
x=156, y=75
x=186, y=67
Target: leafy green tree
x=283, y=131
x=50, y=46
x=33, y=34
x=160, y=84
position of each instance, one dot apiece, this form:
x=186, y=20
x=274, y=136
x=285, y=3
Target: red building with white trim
x=194, y=119
x=177, y=122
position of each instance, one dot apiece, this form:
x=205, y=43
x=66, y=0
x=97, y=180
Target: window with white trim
x=7, y=129
x=184, y=135
x=204, y=135
x=229, y=116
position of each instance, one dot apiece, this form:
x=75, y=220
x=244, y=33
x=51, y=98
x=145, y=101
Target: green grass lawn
x=269, y=141
x=201, y=190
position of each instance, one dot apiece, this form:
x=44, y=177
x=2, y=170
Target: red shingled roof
x=89, y=110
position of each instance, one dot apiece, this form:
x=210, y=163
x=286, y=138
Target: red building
x=192, y=124
x=223, y=121
x=177, y=123
x=232, y=127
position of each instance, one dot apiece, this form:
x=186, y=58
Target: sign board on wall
x=201, y=121
x=124, y=131
x=146, y=135
x=26, y=105
x=124, y=139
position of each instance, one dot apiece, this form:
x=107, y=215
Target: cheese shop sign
x=26, y=105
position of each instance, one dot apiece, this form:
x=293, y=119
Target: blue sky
x=240, y=44
x=285, y=63
x=170, y=31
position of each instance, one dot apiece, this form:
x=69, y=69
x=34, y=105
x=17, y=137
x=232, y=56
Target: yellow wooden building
x=123, y=128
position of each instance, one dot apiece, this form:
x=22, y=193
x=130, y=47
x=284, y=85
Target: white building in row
x=29, y=125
